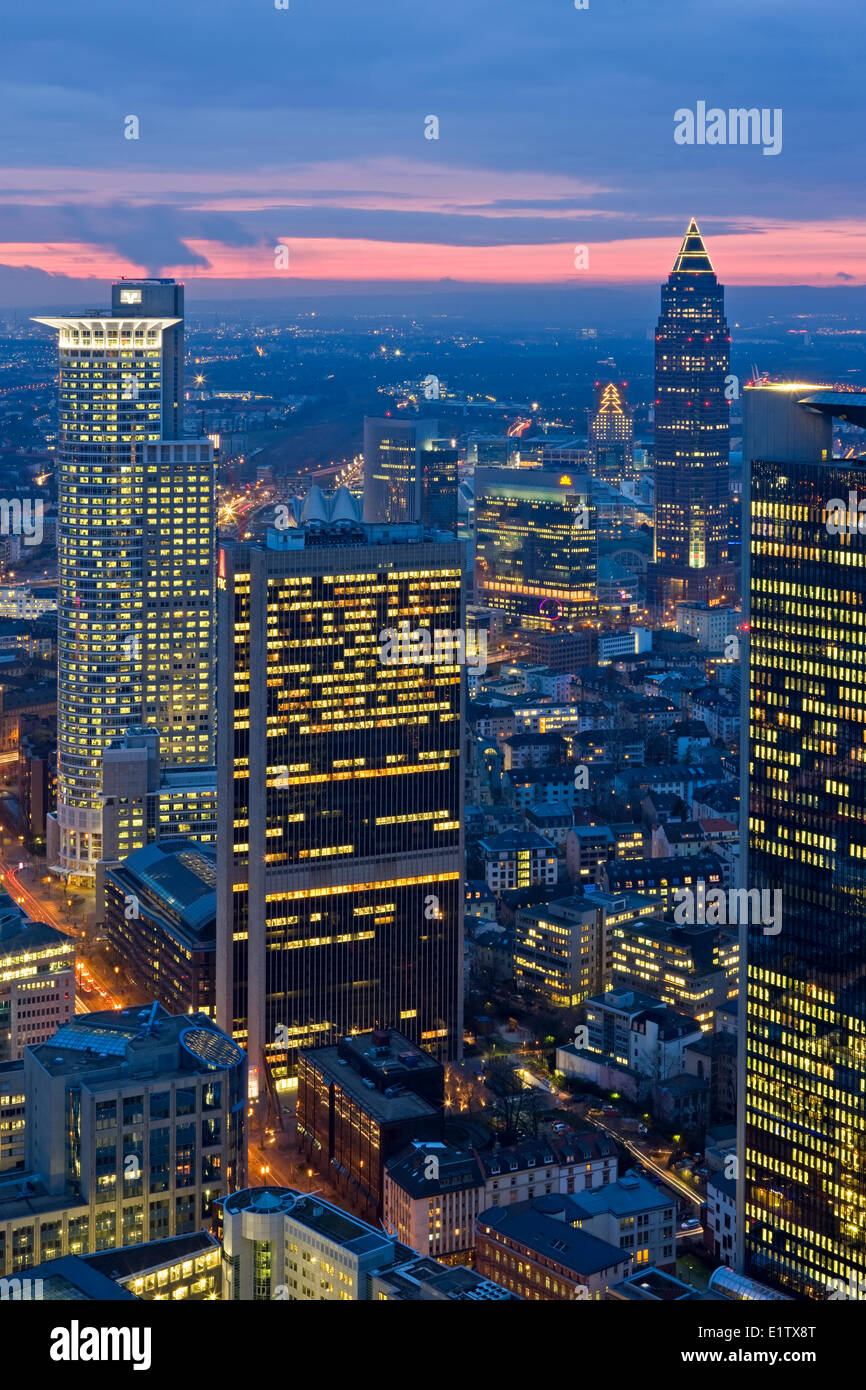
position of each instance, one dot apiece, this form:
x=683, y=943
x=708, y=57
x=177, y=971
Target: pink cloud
x=790, y=253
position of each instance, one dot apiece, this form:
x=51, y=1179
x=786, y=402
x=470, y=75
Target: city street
x=45, y=902
x=647, y=1160
x=275, y=1159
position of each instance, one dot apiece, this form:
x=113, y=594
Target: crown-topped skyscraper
x=136, y=528
x=692, y=360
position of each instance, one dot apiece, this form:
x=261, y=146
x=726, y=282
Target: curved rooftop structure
x=740, y=1287
x=315, y=506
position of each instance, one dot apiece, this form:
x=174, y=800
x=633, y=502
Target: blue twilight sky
x=305, y=127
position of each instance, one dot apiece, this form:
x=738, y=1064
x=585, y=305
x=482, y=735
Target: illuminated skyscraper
x=692, y=357
x=536, y=546
x=339, y=788
x=803, y=999
x=611, y=434
x=135, y=554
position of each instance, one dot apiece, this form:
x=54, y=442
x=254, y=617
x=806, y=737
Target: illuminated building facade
x=135, y=555
x=538, y=1250
x=176, y=1267
x=562, y=951
x=361, y=1102
x=340, y=849
x=803, y=1001
x=135, y=1126
x=695, y=969
x=611, y=434
x=434, y=1214
x=410, y=475
x=536, y=547
x=144, y=802
x=692, y=361
x=13, y=1117
x=278, y=1243
x=166, y=944
x=37, y=980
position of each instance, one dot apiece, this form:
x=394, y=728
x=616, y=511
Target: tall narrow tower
x=135, y=555
x=692, y=359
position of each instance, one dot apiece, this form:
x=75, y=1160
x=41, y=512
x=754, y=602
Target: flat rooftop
x=653, y=1286
x=21, y=936
x=425, y=1279
x=23, y=1194
x=178, y=874
x=385, y=1109
x=317, y=1215
x=366, y=1065
x=388, y=1055
x=134, y=1041
x=630, y=1194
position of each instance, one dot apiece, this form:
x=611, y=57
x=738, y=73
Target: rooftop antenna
x=151, y=1020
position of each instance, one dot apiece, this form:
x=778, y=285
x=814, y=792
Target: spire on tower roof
x=611, y=401
x=693, y=258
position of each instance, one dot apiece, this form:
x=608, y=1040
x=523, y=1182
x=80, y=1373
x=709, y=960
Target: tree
x=511, y=1095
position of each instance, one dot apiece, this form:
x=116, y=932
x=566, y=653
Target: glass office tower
x=803, y=997
x=392, y=480
x=438, y=461
x=536, y=546
x=135, y=555
x=692, y=357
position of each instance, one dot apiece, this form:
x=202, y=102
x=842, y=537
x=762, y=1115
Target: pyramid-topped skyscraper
x=693, y=258
x=692, y=360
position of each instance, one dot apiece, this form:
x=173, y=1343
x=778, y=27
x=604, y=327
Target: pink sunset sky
x=466, y=207
x=308, y=126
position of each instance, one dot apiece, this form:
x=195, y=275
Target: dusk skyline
x=432, y=630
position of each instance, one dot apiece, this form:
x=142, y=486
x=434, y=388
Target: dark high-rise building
x=340, y=847
x=437, y=483
x=802, y=1158
x=392, y=485
x=692, y=357
x=536, y=546
x=611, y=434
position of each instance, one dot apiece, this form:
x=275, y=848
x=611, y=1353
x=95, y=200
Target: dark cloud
x=519, y=86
